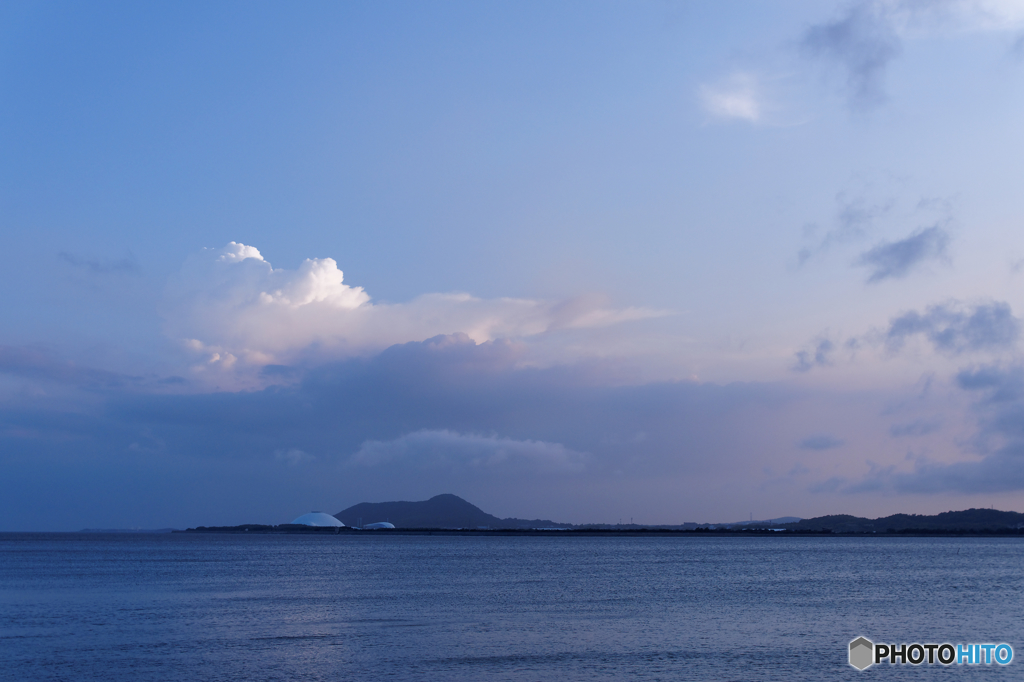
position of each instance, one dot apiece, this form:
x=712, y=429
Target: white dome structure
x=318, y=519
x=380, y=525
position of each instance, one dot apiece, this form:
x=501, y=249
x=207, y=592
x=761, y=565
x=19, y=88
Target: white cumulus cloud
x=232, y=308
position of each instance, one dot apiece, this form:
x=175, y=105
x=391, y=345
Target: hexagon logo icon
x=862, y=653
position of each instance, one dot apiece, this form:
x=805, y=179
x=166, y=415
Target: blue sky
x=583, y=261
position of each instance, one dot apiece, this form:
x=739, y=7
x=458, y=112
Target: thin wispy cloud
x=854, y=219
x=918, y=427
x=442, y=449
x=864, y=40
x=954, y=328
x=1017, y=47
x=819, y=355
x=951, y=328
x=40, y=364
x=293, y=456
x=128, y=265
x=894, y=260
x=998, y=385
x=976, y=15
x=737, y=98
x=861, y=43
x=821, y=442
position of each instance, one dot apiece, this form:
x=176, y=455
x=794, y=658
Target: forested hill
x=969, y=519
x=440, y=511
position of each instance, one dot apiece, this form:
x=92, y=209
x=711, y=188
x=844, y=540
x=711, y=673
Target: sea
x=381, y=606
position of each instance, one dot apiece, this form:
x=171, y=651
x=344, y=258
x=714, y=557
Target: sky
x=582, y=261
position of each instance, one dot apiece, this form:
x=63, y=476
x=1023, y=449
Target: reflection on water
x=273, y=607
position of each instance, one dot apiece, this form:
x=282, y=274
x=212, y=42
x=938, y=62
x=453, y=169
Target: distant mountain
x=762, y=522
x=969, y=519
x=440, y=511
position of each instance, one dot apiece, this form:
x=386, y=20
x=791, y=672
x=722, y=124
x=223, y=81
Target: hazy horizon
x=579, y=261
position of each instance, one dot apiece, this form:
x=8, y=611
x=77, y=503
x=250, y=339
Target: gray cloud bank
x=999, y=441
x=997, y=465
x=446, y=414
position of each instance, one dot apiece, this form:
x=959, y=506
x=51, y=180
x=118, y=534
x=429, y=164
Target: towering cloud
x=231, y=306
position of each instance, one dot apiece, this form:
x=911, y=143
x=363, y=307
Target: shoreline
x=643, y=532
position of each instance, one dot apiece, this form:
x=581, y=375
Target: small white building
x=318, y=519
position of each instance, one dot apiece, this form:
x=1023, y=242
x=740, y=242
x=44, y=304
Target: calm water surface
x=374, y=607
